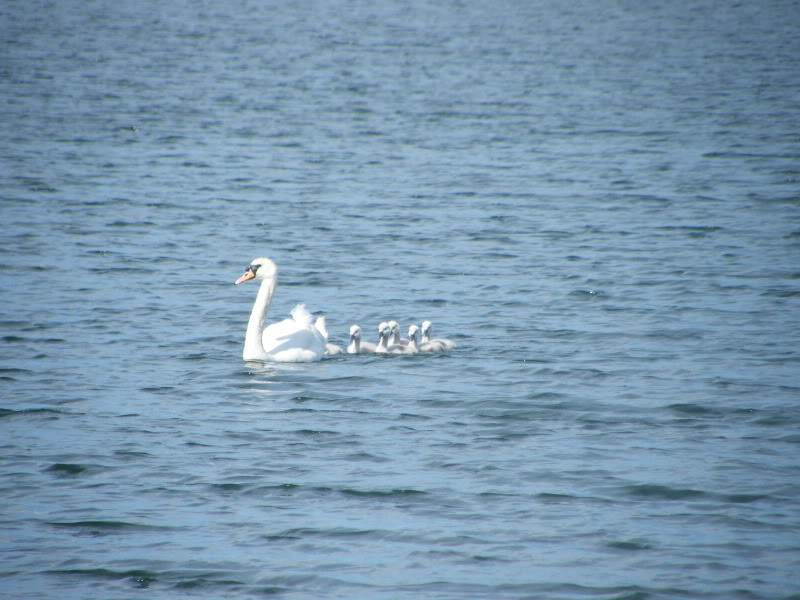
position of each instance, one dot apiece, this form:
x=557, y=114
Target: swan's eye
x=254, y=268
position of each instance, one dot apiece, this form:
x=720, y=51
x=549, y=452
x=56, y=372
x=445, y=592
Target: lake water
x=599, y=201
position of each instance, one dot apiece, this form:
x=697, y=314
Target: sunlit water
x=597, y=200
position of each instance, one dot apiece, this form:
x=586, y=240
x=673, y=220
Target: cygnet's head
x=260, y=268
x=426, y=327
x=413, y=332
x=355, y=332
x=394, y=326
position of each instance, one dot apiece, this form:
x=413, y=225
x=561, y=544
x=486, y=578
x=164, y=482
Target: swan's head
x=413, y=332
x=260, y=268
x=426, y=327
x=394, y=326
x=355, y=332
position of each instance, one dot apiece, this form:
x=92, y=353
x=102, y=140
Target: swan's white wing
x=321, y=326
x=294, y=340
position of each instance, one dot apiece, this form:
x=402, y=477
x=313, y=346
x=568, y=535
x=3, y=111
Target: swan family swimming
x=305, y=339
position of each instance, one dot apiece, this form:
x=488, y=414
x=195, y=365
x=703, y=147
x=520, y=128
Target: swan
x=291, y=340
x=356, y=346
x=444, y=343
x=413, y=334
x=394, y=326
x=411, y=346
x=383, y=338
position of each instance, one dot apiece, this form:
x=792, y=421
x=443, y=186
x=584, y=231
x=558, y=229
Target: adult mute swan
x=291, y=340
x=442, y=343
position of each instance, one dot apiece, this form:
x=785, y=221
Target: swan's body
x=292, y=340
x=356, y=346
x=440, y=343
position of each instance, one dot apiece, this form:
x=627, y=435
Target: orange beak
x=248, y=274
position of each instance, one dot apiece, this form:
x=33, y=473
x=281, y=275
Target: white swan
x=356, y=346
x=396, y=340
x=419, y=346
x=291, y=340
x=444, y=343
x=411, y=346
x=384, y=331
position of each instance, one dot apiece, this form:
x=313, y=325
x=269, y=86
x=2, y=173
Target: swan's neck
x=253, y=346
x=381, y=347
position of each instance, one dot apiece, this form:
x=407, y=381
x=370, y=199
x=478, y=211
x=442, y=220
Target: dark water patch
x=365, y=457
x=96, y=527
x=228, y=488
x=23, y=412
x=694, y=410
x=196, y=357
x=140, y=578
x=14, y=371
x=132, y=454
x=349, y=379
x=394, y=494
x=676, y=334
x=743, y=498
x=781, y=292
x=205, y=581
x=555, y=498
x=589, y=295
x=775, y=420
x=289, y=489
x=159, y=389
x=629, y=546
x=123, y=271
x=315, y=432
x=69, y=469
x=334, y=532
x=662, y=492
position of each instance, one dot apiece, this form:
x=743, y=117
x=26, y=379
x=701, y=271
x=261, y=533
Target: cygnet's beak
x=248, y=274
